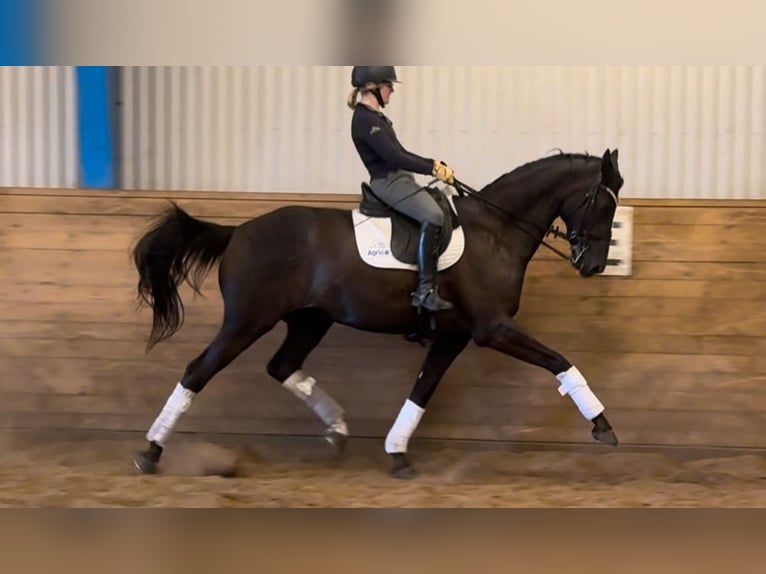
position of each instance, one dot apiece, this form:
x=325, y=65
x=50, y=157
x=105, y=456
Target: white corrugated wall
x=38, y=138
x=683, y=132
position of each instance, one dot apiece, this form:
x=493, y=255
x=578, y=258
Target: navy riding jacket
x=379, y=148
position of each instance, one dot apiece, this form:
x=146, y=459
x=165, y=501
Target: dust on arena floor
x=299, y=472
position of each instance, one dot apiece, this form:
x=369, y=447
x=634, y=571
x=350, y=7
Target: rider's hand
x=444, y=172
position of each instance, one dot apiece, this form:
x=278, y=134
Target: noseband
x=580, y=236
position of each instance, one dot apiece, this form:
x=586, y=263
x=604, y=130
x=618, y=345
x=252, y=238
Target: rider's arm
x=378, y=134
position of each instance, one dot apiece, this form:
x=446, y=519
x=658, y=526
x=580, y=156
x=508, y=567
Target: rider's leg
x=400, y=190
x=426, y=295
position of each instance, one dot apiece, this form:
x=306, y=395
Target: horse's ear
x=615, y=156
x=607, y=156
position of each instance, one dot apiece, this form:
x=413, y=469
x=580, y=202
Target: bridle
x=579, y=237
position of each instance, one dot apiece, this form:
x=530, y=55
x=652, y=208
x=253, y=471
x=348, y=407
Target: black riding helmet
x=362, y=75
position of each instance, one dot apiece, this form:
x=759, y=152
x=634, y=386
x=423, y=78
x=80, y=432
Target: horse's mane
x=545, y=163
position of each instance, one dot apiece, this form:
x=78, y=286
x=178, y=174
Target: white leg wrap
x=177, y=404
x=575, y=385
x=405, y=424
x=317, y=399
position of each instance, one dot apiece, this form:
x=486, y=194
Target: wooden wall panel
x=676, y=351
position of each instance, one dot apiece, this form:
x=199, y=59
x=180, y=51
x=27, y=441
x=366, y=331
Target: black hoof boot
x=602, y=431
x=148, y=461
x=402, y=467
x=336, y=439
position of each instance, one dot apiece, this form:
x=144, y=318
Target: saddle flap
x=391, y=242
x=405, y=231
x=444, y=202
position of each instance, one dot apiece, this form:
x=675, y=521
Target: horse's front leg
x=505, y=336
x=439, y=358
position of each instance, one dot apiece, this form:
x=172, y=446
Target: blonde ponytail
x=352, y=97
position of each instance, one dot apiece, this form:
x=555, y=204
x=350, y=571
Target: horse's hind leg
x=234, y=336
x=305, y=329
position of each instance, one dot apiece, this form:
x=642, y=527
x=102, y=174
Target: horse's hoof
x=145, y=464
x=602, y=430
x=402, y=468
x=404, y=473
x=605, y=436
x=336, y=439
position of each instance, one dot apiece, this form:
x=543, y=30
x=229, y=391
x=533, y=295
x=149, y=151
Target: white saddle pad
x=373, y=241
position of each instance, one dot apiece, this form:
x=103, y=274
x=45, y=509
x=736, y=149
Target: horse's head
x=589, y=219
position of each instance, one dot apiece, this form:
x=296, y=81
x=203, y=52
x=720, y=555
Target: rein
x=464, y=189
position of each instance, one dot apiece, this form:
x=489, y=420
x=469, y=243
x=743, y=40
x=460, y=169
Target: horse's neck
x=536, y=201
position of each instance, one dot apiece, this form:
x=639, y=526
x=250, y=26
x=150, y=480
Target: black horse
x=302, y=265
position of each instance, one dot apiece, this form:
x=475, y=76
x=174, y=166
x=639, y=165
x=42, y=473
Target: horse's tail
x=176, y=248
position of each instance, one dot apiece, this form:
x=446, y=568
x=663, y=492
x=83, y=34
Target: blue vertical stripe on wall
x=97, y=126
x=22, y=41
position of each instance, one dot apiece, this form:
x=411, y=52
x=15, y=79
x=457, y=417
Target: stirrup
x=430, y=301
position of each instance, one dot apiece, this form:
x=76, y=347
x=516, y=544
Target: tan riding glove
x=444, y=172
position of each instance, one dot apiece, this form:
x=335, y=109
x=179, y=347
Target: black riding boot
x=426, y=295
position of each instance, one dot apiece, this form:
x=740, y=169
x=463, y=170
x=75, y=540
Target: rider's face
x=386, y=89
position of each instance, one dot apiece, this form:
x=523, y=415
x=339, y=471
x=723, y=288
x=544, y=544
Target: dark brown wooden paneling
x=676, y=351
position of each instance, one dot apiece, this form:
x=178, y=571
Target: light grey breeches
x=419, y=204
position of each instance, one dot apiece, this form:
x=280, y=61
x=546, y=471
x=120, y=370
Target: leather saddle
x=405, y=231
